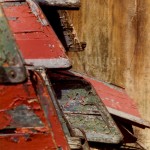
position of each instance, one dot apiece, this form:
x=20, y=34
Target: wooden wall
x=117, y=33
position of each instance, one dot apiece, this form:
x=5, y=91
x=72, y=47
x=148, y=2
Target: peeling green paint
x=84, y=109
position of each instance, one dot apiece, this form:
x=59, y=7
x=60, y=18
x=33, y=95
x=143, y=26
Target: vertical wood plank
x=122, y=38
x=117, y=33
x=91, y=24
x=106, y=26
x=140, y=68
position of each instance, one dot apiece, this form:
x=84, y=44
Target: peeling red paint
x=36, y=41
x=14, y=95
x=52, y=117
x=114, y=98
x=26, y=22
x=45, y=137
x=34, y=142
x=37, y=12
x=5, y=120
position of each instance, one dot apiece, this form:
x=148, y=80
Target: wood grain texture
x=140, y=68
x=103, y=25
x=92, y=27
x=117, y=33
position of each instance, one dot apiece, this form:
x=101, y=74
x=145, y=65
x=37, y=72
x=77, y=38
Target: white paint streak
x=49, y=63
x=60, y=2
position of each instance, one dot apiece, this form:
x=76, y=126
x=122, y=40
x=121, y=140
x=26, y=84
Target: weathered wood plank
x=107, y=36
x=118, y=41
x=139, y=87
x=91, y=24
x=62, y=3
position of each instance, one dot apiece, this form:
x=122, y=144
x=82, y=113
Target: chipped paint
x=5, y=120
x=23, y=121
x=11, y=63
x=117, y=101
x=62, y=3
x=31, y=142
x=36, y=39
x=50, y=113
x=69, y=32
x=83, y=109
x=37, y=12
